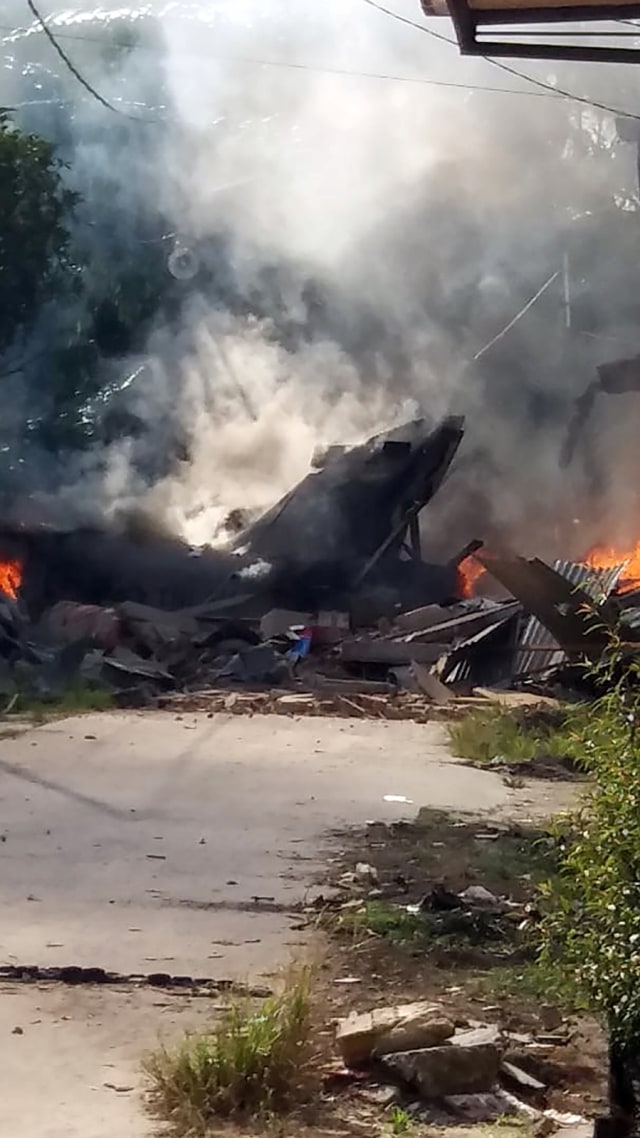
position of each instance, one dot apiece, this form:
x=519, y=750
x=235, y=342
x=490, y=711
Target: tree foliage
x=34, y=239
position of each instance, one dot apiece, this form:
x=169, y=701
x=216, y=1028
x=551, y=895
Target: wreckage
x=351, y=523
x=327, y=592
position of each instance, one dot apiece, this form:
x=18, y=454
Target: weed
x=253, y=1063
x=401, y=1121
x=74, y=701
x=533, y=981
x=517, y=736
x=526, y=857
x=382, y=919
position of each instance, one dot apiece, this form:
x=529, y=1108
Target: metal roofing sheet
x=538, y=649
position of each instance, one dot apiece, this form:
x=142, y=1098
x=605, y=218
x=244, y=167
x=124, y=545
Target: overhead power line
x=313, y=68
x=74, y=70
x=505, y=66
x=523, y=311
x=545, y=90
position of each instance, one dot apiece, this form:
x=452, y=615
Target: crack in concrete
x=73, y=974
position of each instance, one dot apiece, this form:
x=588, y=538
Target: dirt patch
x=390, y=946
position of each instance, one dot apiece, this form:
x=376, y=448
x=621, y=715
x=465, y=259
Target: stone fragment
x=392, y=1028
x=437, y=1072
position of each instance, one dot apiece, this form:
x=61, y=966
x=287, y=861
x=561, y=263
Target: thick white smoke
x=352, y=244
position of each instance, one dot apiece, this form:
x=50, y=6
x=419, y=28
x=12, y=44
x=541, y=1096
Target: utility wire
x=546, y=89
x=74, y=70
x=320, y=70
x=410, y=23
x=505, y=66
x=565, y=94
x=507, y=328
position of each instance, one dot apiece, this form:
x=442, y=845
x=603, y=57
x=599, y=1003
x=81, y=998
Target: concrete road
x=155, y=842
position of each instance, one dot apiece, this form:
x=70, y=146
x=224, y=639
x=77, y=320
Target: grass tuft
x=254, y=1063
x=516, y=736
x=385, y=920
x=76, y=700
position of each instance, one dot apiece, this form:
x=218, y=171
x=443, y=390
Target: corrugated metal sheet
x=538, y=649
x=461, y=670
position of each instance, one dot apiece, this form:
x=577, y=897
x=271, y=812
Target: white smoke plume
x=347, y=245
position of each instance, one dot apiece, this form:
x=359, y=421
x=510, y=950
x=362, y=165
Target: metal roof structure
x=544, y=29
x=538, y=649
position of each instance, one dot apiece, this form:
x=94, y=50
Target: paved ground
x=144, y=843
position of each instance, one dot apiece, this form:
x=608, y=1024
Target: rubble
x=391, y=1029
x=522, y=1080
x=451, y=1069
x=324, y=605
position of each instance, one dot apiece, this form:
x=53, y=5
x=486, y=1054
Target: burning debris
x=326, y=596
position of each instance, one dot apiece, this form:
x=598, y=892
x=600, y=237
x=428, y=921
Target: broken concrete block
x=390, y=1029
x=522, y=1079
x=414, y=1032
x=477, y=1036
x=437, y=1072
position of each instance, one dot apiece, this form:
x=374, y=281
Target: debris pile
x=445, y=1072
x=323, y=605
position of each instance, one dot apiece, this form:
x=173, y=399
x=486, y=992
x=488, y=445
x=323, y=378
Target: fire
x=10, y=578
x=606, y=557
x=469, y=571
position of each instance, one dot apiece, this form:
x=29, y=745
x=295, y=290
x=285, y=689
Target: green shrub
x=591, y=909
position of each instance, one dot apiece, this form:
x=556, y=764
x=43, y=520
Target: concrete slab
x=140, y=843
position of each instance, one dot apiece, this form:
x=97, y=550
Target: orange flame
x=606, y=557
x=469, y=571
x=10, y=578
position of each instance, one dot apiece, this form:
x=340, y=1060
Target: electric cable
x=74, y=70
x=505, y=66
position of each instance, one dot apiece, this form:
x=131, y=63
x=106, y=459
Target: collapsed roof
x=354, y=519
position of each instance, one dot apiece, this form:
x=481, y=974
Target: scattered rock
x=550, y=1017
x=522, y=1079
x=367, y=873
x=438, y=1072
x=479, y=896
x=382, y=1095
x=414, y=1032
x=18, y=1031
x=479, y=1036
x=479, y=1108
x=563, y=1118
x=386, y=1030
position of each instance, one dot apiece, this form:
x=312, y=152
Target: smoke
x=333, y=252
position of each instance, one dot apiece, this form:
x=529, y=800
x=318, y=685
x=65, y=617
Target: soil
x=476, y=980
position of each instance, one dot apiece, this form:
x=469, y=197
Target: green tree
x=34, y=240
